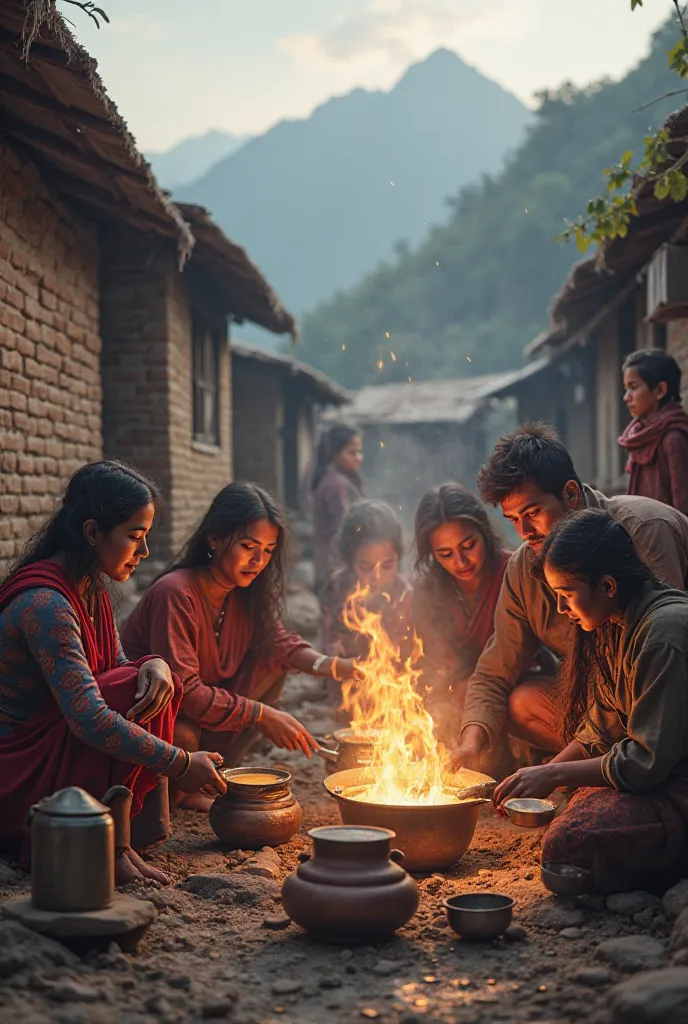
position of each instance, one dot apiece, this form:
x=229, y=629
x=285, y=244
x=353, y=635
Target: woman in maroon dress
x=336, y=486
x=215, y=617
x=656, y=439
x=73, y=710
x=460, y=564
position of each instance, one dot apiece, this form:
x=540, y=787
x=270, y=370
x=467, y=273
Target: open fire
x=409, y=766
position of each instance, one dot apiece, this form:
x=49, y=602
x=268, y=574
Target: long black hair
x=369, y=522
x=330, y=445
x=108, y=493
x=230, y=514
x=448, y=503
x=588, y=546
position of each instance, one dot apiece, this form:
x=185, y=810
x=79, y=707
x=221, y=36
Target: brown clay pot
x=353, y=889
x=257, y=810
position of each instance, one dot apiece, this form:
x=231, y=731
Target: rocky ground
x=222, y=950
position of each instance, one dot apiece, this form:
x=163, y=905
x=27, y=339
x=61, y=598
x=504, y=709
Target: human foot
x=195, y=802
x=129, y=867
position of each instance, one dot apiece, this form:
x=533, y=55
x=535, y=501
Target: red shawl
x=642, y=438
x=42, y=755
x=476, y=631
x=658, y=456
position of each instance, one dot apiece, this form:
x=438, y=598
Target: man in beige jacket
x=531, y=476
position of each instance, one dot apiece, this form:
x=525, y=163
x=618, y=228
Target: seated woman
x=73, y=710
x=626, y=713
x=214, y=617
x=370, y=548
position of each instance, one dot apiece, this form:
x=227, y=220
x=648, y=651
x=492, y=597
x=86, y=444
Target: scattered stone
x=433, y=886
x=236, y=889
x=384, y=968
x=653, y=997
x=593, y=977
x=330, y=981
x=675, y=900
x=556, y=917
x=264, y=864
x=679, y=935
x=8, y=876
x=632, y=953
x=346, y=954
x=630, y=903
x=515, y=933
x=644, y=918
x=24, y=950
x=680, y=959
x=570, y=933
x=276, y=923
x=182, y=981
x=370, y=1013
x=217, y=1008
x=286, y=986
x=67, y=990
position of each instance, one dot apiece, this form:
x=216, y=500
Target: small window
x=206, y=371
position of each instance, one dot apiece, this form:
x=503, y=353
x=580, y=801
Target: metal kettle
x=73, y=848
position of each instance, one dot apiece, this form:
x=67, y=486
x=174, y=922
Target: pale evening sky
x=180, y=67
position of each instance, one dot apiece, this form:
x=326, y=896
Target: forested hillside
x=476, y=290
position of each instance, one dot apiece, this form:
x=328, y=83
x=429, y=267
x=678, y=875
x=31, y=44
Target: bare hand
x=202, y=776
x=535, y=783
x=473, y=745
x=154, y=691
x=347, y=669
x=285, y=731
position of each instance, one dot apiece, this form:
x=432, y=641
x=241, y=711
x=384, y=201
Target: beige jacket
x=526, y=613
x=639, y=723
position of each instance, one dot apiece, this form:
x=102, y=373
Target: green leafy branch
x=608, y=216
x=96, y=14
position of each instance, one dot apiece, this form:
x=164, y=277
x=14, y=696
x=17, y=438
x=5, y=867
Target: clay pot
x=353, y=889
x=257, y=810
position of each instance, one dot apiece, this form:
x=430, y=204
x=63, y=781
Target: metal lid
x=71, y=802
x=352, y=833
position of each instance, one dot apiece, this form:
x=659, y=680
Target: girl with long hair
x=215, y=616
x=656, y=439
x=336, y=484
x=625, y=713
x=370, y=550
x=460, y=563
x=73, y=710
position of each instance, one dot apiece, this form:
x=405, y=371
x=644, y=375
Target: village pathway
x=222, y=951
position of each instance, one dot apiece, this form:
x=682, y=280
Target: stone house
x=276, y=405
x=114, y=302
x=632, y=294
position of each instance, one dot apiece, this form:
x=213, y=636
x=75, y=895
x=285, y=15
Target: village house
x=114, y=302
x=276, y=403
x=632, y=294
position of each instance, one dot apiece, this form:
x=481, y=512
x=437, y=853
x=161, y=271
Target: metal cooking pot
x=430, y=837
x=353, y=750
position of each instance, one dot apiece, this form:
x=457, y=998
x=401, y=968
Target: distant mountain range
x=192, y=157
x=319, y=202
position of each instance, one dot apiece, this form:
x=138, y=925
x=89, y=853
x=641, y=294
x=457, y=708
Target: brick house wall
x=677, y=346
x=50, y=385
x=258, y=414
x=147, y=328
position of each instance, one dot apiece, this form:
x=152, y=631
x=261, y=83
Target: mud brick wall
x=677, y=346
x=258, y=407
x=148, y=385
x=50, y=385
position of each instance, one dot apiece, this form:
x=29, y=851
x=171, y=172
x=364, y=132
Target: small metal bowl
x=565, y=879
x=479, y=915
x=529, y=813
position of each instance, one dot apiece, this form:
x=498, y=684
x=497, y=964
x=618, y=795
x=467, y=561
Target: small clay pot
x=257, y=810
x=353, y=889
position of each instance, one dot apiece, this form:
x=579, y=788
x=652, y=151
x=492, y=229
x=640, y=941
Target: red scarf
x=99, y=636
x=642, y=438
x=477, y=630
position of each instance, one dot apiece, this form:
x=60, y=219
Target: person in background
x=73, y=710
x=370, y=549
x=625, y=713
x=531, y=475
x=656, y=439
x=215, y=617
x=460, y=564
x=336, y=485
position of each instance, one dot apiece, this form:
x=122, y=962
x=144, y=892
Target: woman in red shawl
x=657, y=437
x=460, y=563
x=73, y=710
x=215, y=617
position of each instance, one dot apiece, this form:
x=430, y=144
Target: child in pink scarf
x=657, y=437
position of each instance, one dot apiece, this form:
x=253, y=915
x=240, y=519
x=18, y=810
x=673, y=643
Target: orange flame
x=409, y=765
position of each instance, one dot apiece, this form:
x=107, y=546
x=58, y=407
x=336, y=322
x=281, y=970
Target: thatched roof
x=248, y=295
x=595, y=282
x=321, y=388
x=54, y=107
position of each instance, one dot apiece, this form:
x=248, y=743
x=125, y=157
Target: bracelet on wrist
x=333, y=670
x=187, y=765
x=317, y=664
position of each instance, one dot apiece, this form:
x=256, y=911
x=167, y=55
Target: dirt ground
x=220, y=951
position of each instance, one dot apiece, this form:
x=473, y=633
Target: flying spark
x=392, y=183
x=469, y=359
x=394, y=358
x=343, y=348
x=380, y=365
x=386, y=334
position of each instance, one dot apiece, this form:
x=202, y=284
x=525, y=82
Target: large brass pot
x=430, y=837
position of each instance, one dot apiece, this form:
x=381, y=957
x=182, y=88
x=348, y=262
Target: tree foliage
x=476, y=290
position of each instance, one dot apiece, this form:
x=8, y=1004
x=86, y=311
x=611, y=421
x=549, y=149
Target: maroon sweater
x=657, y=464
